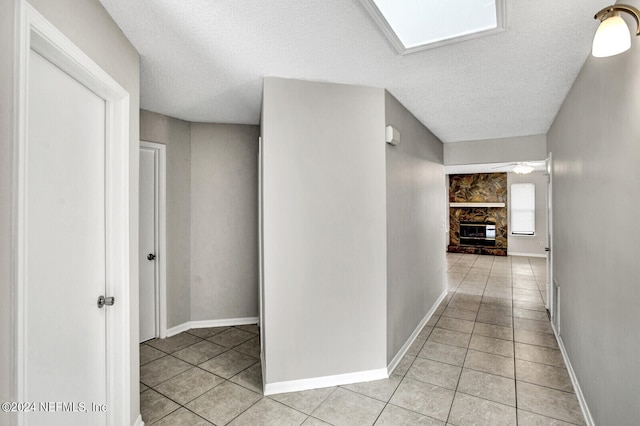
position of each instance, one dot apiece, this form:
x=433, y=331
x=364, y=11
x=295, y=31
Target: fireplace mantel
x=476, y=204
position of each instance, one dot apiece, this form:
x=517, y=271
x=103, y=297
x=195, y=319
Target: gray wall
x=91, y=28
x=176, y=135
x=522, y=148
x=416, y=200
x=530, y=244
x=224, y=221
x=212, y=217
x=6, y=203
x=595, y=140
x=324, y=229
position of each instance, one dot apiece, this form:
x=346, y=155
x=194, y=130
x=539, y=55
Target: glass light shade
x=522, y=169
x=612, y=37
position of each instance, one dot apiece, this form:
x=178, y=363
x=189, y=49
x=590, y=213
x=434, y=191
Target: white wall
x=521, y=148
x=595, y=140
x=324, y=229
x=224, y=221
x=176, y=135
x=525, y=245
x=6, y=204
x=90, y=27
x=416, y=200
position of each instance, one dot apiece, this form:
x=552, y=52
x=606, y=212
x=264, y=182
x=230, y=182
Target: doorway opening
x=152, y=246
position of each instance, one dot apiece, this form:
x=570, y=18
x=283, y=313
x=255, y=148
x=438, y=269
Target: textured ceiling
x=204, y=60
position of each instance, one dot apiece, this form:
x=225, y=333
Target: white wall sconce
x=612, y=36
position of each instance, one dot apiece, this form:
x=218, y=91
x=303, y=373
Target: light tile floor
x=488, y=356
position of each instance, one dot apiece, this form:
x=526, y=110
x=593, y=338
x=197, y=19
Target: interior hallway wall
x=595, y=141
x=176, y=135
x=89, y=27
x=416, y=200
x=224, y=221
x=324, y=229
x=520, y=148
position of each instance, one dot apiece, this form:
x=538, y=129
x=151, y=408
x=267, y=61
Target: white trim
x=551, y=296
x=325, y=381
x=403, y=351
x=511, y=253
x=261, y=253
x=261, y=322
x=210, y=323
x=574, y=380
x=477, y=204
x=35, y=32
x=161, y=252
x=139, y=421
x=178, y=329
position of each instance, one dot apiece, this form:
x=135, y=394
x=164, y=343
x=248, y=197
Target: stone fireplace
x=478, y=213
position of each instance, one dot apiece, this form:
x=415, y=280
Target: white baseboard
x=178, y=329
x=401, y=353
x=325, y=382
x=574, y=380
x=511, y=253
x=139, y=421
x=210, y=323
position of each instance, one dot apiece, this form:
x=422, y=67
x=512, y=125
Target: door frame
x=261, y=321
x=161, y=233
x=551, y=295
x=37, y=33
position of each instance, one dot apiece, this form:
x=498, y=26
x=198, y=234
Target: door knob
x=109, y=301
x=151, y=256
x=547, y=249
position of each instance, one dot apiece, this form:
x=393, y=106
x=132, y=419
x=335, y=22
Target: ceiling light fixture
x=612, y=36
x=522, y=169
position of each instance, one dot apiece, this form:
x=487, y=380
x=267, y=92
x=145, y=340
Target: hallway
x=487, y=356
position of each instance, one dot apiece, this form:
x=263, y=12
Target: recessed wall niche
x=480, y=188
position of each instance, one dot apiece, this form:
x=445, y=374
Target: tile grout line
x=323, y=401
x=513, y=332
x=198, y=366
x=461, y=368
x=452, y=293
x=405, y=374
x=513, y=317
x=465, y=359
x=192, y=366
x=512, y=342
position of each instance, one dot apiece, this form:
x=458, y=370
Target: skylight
x=413, y=25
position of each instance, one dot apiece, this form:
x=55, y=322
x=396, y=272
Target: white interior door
x=148, y=243
x=65, y=255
